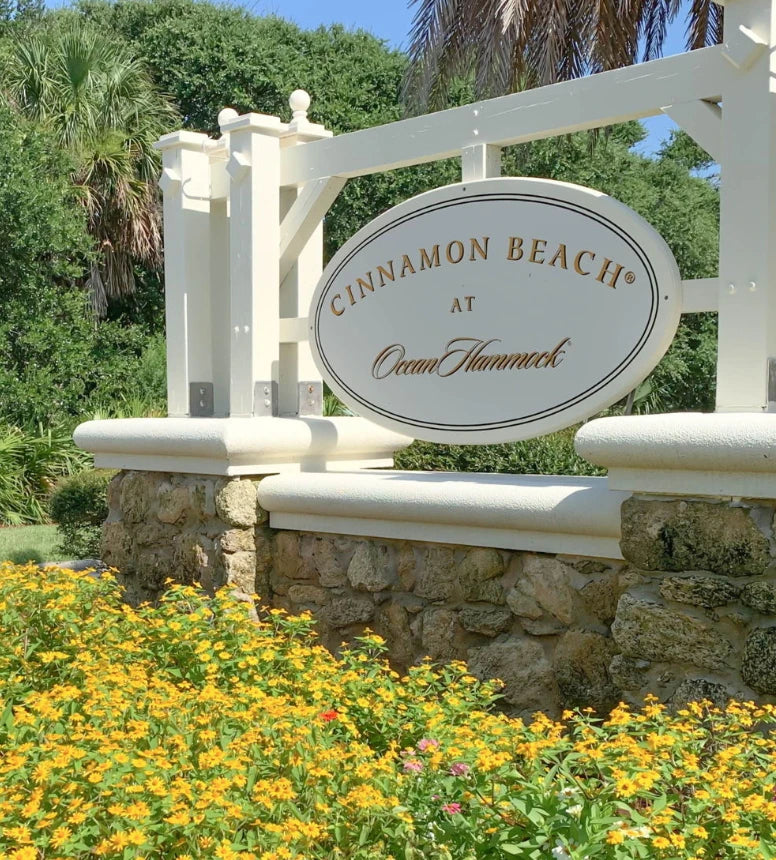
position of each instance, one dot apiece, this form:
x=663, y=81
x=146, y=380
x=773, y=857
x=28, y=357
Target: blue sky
x=391, y=20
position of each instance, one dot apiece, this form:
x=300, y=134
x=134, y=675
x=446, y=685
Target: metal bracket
x=265, y=399
x=310, y=398
x=201, y=400
x=772, y=384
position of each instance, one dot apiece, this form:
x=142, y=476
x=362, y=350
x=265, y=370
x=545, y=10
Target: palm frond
x=100, y=103
x=510, y=44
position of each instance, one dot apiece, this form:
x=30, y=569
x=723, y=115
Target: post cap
x=299, y=102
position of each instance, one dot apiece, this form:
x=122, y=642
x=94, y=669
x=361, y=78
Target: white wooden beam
x=481, y=161
x=700, y=294
x=702, y=121
x=598, y=100
x=294, y=329
x=304, y=216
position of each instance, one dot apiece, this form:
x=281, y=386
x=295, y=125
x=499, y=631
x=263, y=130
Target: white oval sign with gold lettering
x=495, y=310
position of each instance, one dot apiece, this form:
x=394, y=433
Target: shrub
x=79, y=507
x=30, y=465
x=188, y=730
x=548, y=455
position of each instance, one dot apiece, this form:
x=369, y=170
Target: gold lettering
x=451, y=352
x=515, y=247
x=535, y=249
x=459, y=249
x=394, y=349
x=427, y=262
x=517, y=359
x=362, y=284
x=456, y=308
x=385, y=273
x=333, y=309
x=463, y=353
x=560, y=254
x=613, y=275
x=557, y=353
x=475, y=246
x=350, y=294
x=406, y=263
x=578, y=261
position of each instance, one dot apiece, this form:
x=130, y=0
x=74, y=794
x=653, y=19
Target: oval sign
x=495, y=310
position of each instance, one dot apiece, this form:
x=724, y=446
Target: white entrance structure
x=243, y=238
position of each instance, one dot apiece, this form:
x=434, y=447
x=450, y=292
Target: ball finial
x=299, y=101
x=226, y=115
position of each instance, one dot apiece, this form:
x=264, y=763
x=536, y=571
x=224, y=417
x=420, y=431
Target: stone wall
x=689, y=613
x=701, y=622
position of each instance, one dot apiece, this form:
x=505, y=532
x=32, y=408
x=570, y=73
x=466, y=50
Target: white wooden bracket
x=481, y=161
x=702, y=121
x=304, y=216
x=742, y=47
x=699, y=295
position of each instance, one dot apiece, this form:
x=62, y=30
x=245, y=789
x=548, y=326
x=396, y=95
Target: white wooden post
x=481, y=161
x=254, y=238
x=747, y=297
x=185, y=183
x=301, y=387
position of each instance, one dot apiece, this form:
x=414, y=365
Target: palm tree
x=505, y=45
x=100, y=104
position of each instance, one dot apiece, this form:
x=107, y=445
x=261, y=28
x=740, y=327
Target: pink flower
x=459, y=768
x=452, y=808
x=413, y=765
x=427, y=743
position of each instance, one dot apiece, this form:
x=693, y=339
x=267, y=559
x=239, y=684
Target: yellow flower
x=60, y=836
x=615, y=837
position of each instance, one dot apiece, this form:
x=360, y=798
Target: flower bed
x=188, y=731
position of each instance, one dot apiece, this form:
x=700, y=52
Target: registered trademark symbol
x=630, y=277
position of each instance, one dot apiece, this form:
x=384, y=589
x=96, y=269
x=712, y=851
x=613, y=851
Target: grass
x=20, y=544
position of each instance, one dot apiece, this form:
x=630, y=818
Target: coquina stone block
x=691, y=535
x=521, y=664
x=698, y=590
x=371, y=567
x=649, y=631
x=236, y=503
x=760, y=596
x=758, y=668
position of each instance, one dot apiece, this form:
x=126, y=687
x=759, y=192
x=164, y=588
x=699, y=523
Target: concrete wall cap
x=687, y=441
x=235, y=445
x=539, y=503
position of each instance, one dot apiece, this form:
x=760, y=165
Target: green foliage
x=548, y=455
x=54, y=359
x=79, y=507
x=98, y=102
x=30, y=465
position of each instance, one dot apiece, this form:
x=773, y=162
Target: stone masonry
x=688, y=615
